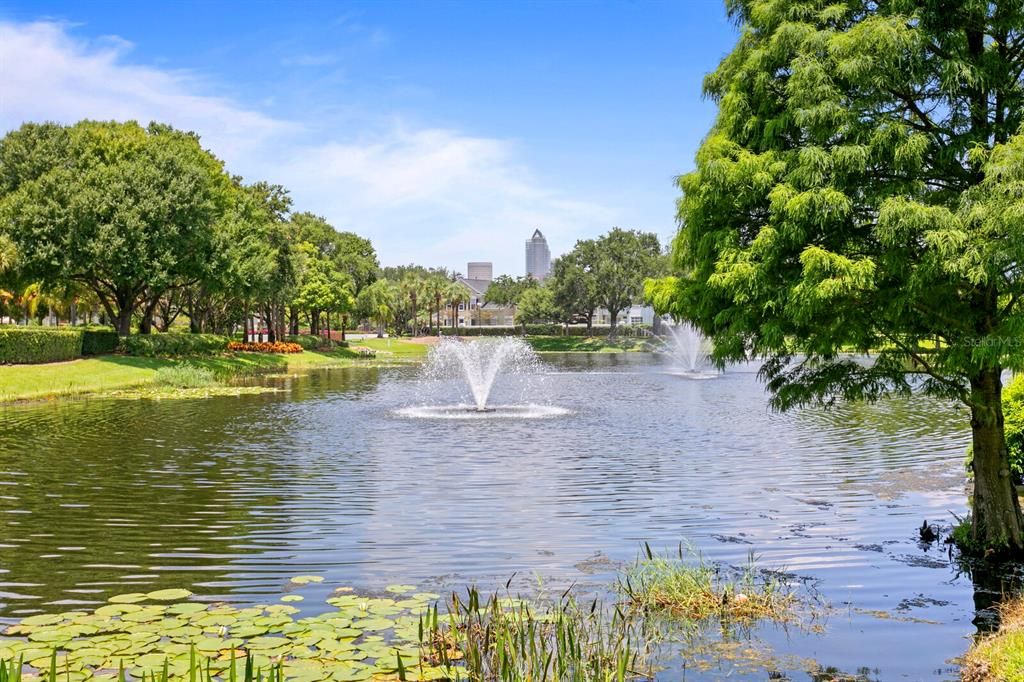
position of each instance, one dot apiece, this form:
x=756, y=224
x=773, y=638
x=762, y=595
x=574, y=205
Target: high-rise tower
x=538, y=256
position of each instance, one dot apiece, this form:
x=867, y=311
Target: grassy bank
x=591, y=344
x=115, y=372
x=999, y=657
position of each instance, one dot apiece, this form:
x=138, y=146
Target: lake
x=231, y=496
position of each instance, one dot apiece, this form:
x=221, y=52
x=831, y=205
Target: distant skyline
x=445, y=132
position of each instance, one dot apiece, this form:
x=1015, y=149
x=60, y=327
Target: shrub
x=265, y=347
x=1013, y=422
x=25, y=345
x=185, y=376
x=311, y=342
x=173, y=344
x=98, y=340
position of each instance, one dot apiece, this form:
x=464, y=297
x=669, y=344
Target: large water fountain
x=477, y=365
x=689, y=350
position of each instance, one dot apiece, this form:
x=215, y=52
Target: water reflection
x=232, y=496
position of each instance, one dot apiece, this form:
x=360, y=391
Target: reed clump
x=686, y=587
x=506, y=639
x=185, y=375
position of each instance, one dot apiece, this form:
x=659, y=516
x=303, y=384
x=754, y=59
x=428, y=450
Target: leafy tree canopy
x=861, y=189
x=117, y=207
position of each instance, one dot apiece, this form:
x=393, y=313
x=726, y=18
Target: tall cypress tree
x=863, y=187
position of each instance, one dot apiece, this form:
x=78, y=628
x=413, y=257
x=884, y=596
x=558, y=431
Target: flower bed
x=265, y=347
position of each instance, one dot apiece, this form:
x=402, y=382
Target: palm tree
x=437, y=289
x=410, y=287
x=458, y=293
x=379, y=302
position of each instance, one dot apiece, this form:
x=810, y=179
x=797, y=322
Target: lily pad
x=291, y=597
x=130, y=598
x=169, y=595
x=400, y=589
x=43, y=619
x=306, y=579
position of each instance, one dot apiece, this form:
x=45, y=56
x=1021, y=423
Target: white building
x=480, y=270
x=478, y=312
x=538, y=256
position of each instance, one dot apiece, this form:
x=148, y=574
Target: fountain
x=479, y=363
x=689, y=348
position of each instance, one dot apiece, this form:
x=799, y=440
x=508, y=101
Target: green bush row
x=309, y=341
x=23, y=345
x=98, y=340
x=151, y=345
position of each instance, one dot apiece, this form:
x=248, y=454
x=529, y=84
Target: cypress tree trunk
x=997, y=516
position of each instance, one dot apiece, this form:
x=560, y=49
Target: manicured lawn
x=397, y=347
x=111, y=372
x=591, y=344
x=19, y=382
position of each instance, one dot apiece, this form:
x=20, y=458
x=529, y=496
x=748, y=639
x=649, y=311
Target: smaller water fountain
x=480, y=363
x=690, y=350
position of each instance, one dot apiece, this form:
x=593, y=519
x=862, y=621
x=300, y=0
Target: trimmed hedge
x=309, y=341
x=152, y=345
x=25, y=345
x=98, y=340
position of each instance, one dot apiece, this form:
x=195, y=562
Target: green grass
x=685, y=587
x=396, y=348
x=999, y=656
x=115, y=372
x=590, y=344
x=185, y=375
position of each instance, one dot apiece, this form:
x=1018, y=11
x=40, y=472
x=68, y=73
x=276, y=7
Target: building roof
x=537, y=234
x=477, y=286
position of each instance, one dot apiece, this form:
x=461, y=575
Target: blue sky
x=444, y=131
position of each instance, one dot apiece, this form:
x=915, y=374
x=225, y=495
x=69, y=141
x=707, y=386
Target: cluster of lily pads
x=163, y=636
x=142, y=634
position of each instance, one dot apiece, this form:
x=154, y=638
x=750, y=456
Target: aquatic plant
x=512, y=640
x=685, y=586
x=141, y=635
x=185, y=375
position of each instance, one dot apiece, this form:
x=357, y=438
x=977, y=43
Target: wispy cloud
x=429, y=195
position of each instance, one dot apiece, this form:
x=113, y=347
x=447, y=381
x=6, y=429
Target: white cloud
x=433, y=196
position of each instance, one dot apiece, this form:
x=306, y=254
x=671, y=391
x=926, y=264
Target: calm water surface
x=232, y=496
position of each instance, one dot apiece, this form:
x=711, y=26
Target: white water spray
x=689, y=347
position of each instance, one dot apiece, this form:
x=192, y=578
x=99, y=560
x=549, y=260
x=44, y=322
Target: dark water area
x=232, y=496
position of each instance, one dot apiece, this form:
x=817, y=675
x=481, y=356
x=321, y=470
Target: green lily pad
x=43, y=619
x=306, y=579
x=186, y=608
x=400, y=589
x=169, y=595
x=130, y=598
x=291, y=597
